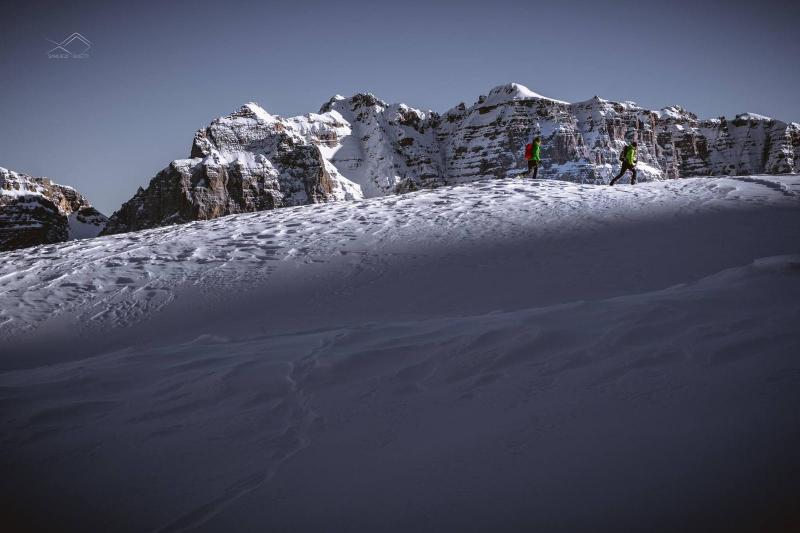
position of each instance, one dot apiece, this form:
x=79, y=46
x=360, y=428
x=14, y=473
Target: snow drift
x=498, y=355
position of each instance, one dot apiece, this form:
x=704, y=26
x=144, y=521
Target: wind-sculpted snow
x=505, y=382
x=476, y=357
x=118, y=280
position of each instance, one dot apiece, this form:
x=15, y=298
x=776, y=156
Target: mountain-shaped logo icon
x=75, y=46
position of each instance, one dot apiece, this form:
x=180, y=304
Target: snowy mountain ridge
x=37, y=211
x=361, y=146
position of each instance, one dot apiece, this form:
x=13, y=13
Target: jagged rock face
x=361, y=147
x=383, y=148
x=487, y=140
x=247, y=161
x=582, y=141
x=37, y=211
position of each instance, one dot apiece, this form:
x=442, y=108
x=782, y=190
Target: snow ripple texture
x=453, y=355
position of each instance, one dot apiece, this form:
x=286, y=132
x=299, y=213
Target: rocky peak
x=355, y=103
x=35, y=210
x=677, y=113
x=510, y=91
x=751, y=119
x=247, y=161
x=329, y=105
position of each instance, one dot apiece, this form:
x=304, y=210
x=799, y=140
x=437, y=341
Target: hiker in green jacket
x=533, y=153
x=628, y=158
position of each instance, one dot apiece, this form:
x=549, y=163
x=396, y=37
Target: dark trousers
x=625, y=167
x=533, y=165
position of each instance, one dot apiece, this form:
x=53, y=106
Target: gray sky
x=158, y=71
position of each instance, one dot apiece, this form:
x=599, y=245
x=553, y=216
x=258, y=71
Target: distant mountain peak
x=360, y=146
x=358, y=100
x=35, y=211
x=514, y=91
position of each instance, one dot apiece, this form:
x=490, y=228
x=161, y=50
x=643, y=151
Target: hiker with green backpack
x=533, y=153
x=628, y=158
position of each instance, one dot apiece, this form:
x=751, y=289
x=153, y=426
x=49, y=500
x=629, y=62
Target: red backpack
x=528, y=151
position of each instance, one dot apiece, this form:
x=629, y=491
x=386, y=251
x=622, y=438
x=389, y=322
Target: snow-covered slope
x=497, y=355
x=37, y=211
x=363, y=147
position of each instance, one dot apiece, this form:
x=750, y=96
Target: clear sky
x=158, y=71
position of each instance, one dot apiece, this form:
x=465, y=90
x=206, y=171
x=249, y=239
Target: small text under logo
x=76, y=46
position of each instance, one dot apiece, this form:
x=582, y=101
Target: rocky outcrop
x=247, y=161
x=381, y=147
x=37, y=211
x=361, y=146
x=582, y=141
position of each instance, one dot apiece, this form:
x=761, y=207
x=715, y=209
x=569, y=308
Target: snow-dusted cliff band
x=363, y=147
x=37, y=211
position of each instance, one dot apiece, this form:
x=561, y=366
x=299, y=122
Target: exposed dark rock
x=37, y=211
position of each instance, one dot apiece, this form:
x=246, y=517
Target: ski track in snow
x=206, y=434
x=119, y=280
